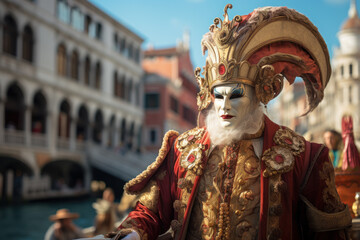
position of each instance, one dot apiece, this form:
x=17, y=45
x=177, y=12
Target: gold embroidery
x=189, y=138
x=150, y=196
x=154, y=166
x=277, y=160
x=287, y=138
x=330, y=196
x=275, y=209
x=213, y=218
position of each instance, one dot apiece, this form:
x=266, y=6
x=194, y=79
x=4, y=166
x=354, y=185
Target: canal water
x=29, y=221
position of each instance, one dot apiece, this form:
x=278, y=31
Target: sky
x=161, y=23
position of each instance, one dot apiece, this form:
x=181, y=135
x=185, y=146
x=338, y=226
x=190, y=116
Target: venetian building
x=70, y=93
x=344, y=87
x=342, y=94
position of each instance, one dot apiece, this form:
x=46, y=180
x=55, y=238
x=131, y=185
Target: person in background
x=63, y=228
x=332, y=140
x=105, y=217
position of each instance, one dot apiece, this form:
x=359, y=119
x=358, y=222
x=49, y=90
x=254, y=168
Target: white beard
x=252, y=122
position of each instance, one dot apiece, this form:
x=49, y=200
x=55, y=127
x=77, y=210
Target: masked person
x=241, y=176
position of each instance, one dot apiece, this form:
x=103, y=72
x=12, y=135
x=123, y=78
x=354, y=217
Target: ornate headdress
x=262, y=48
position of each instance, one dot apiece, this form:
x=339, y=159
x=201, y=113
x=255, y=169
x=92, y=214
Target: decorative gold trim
x=150, y=196
x=154, y=166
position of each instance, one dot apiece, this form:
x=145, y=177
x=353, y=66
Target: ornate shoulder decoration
x=191, y=150
x=281, y=158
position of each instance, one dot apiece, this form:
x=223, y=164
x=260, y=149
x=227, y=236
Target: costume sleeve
x=154, y=210
x=326, y=216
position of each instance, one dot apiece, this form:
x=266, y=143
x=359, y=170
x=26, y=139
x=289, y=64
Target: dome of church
x=353, y=22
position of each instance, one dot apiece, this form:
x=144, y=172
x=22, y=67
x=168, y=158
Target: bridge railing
x=16, y=137
x=39, y=140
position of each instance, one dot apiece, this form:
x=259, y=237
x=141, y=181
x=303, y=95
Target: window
x=153, y=136
x=351, y=70
x=350, y=94
x=63, y=11
x=87, y=71
x=342, y=70
x=75, y=65
x=116, y=85
x=122, y=45
x=98, y=31
x=137, y=55
x=130, y=51
x=87, y=24
x=122, y=87
x=77, y=19
x=189, y=115
x=98, y=76
x=174, y=104
x=28, y=44
x=116, y=42
x=92, y=30
x=129, y=92
x=61, y=60
x=152, y=100
x=10, y=36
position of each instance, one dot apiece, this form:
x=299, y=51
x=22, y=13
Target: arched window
x=28, y=44
x=111, y=132
x=14, y=108
x=63, y=11
x=77, y=19
x=98, y=75
x=82, y=124
x=10, y=35
x=75, y=65
x=64, y=120
x=38, y=118
x=87, y=71
x=61, y=60
x=98, y=127
x=123, y=131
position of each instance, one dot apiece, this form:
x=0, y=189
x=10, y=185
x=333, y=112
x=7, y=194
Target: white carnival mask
x=232, y=103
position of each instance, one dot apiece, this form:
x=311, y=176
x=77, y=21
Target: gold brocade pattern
x=330, y=196
x=150, y=196
x=228, y=202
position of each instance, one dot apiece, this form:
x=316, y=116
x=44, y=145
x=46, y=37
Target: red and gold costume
x=269, y=185
x=295, y=196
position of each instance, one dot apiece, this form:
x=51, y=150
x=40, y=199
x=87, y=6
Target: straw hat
x=63, y=214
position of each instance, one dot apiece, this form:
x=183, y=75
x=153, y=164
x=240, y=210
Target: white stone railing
x=63, y=143
x=14, y=137
x=39, y=140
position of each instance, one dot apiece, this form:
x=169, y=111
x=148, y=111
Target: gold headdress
x=262, y=48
